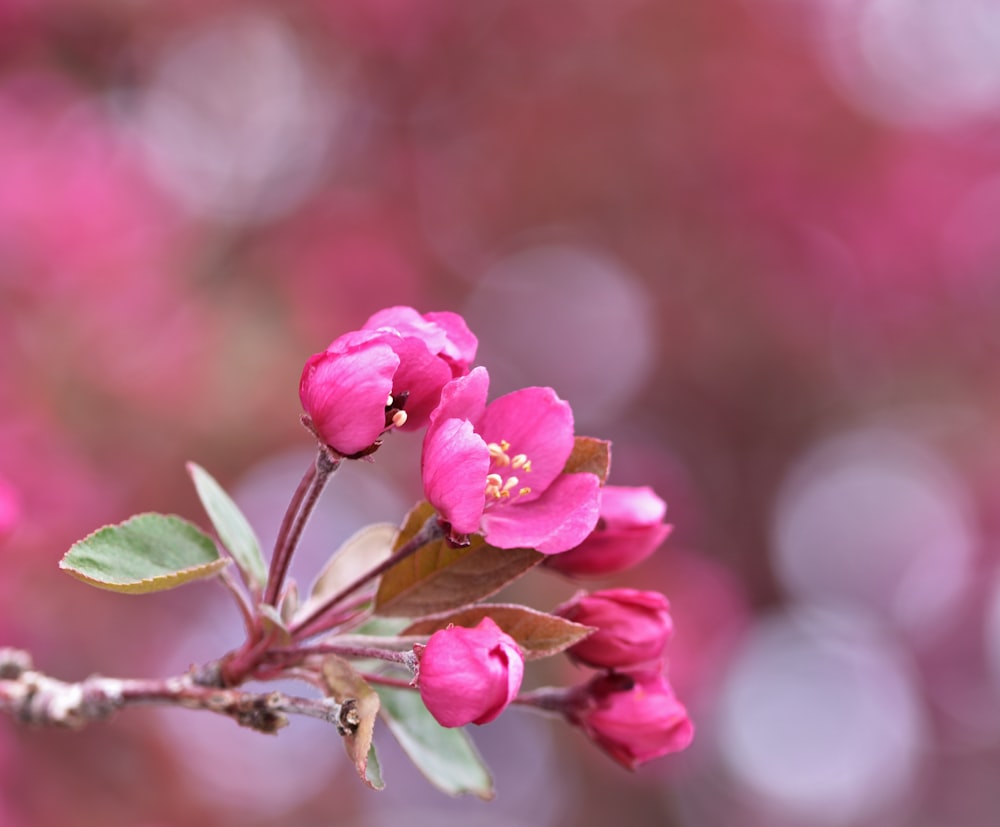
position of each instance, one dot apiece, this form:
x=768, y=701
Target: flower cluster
x=500, y=472
x=508, y=487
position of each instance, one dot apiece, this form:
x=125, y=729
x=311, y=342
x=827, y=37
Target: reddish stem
x=296, y=516
x=318, y=620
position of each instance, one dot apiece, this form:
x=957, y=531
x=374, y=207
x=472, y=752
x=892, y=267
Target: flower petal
x=422, y=375
x=627, y=507
x=536, y=423
x=454, y=466
x=464, y=398
x=344, y=395
x=462, y=344
x=558, y=520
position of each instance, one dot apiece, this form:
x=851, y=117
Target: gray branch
x=35, y=698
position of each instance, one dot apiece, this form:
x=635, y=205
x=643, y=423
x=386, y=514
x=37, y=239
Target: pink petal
x=558, y=520
x=626, y=507
x=408, y=322
x=422, y=375
x=345, y=393
x=508, y=664
x=462, y=343
x=464, y=398
x=454, y=467
x=536, y=423
x=358, y=339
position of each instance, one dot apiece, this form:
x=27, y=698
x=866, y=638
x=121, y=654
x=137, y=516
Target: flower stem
x=552, y=698
x=296, y=516
x=347, y=650
x=318, y=620
x=384, y=680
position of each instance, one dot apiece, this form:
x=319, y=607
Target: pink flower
x=633, y=627
x=445, y=334
x=359, y=386
x=630, y=529
x=497, y=469
x=633, y=717
x=469, y=675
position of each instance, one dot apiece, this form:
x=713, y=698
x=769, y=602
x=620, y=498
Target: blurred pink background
x=756, y=243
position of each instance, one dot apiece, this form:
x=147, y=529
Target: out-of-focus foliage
x=754, y=242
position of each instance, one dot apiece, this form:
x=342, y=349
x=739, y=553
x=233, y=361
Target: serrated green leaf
x=146, y=553
x=446, y=757
x=233, y=528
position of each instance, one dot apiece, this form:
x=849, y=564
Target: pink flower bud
x=630, y=529
x=633, y=717
x=632, y=627
x=383, y=376
x=469, y=675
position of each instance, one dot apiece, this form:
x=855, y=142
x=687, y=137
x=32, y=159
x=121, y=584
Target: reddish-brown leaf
x=360, y=707
x=590, y=455
x=537, y=633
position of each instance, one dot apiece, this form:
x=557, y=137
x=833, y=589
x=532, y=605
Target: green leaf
x=146, y=553
x=373, y=771
x=446, y=757
x=537, y=633
x=232, y=527
x=439, y=577
x=590, y=456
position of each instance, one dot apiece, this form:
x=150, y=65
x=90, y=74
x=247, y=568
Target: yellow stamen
x=399, y=419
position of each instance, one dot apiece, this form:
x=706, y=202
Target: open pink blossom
x=633, y=627
x=497, y=469
x=383, y=376
x=469, y=675
x=633, y=717
x=630, y=529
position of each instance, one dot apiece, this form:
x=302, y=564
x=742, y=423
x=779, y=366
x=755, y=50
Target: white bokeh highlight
x=820, y=718
x=569, y=316
x=875, y=519
x=911, y=63
x=237, y=122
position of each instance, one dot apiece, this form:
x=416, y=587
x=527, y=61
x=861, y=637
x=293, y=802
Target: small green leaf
x=446, y=757
x=537, y=633
x=373, y=771
x=591, y=456
x=232, y=527
x=146, y=553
